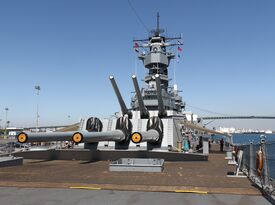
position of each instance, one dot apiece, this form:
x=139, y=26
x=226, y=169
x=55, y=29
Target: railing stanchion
x=251, y=161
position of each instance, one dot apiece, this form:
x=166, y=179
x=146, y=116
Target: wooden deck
x=205, y=176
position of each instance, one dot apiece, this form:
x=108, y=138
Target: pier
x=239, y=117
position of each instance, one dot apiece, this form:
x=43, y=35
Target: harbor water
x=254, y=138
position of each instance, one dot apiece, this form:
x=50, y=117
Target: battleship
x=156, y=121
x=156, y=126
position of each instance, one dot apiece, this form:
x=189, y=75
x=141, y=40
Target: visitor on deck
x=221, y=144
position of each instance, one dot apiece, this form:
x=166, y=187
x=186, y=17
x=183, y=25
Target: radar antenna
x=158, y=23
x=157, y=31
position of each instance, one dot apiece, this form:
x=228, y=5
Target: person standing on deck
x=221, y=144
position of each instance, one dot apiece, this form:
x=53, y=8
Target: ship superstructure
x=156, y=58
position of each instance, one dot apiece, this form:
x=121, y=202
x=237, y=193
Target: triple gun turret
x=122, y=134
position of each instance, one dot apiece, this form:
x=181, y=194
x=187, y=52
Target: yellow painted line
x=85, y=187
x=191, y=191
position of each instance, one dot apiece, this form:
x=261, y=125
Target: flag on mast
x=136, y=47
x=178, y=52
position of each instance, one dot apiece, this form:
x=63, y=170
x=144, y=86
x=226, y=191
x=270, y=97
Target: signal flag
x=136, y=47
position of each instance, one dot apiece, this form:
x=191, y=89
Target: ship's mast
x=158, y=23
x=157, y=59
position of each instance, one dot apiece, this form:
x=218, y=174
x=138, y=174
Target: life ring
x=259, y=162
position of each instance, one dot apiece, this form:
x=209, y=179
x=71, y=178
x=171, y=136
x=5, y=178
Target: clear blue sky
x=71, y=47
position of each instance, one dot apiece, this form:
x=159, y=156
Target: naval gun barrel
x=119, y=97
x=143, y=111
x=120, y=134
x=44, y=137
x=115, y=135
x=162, y=112
x=151, y=136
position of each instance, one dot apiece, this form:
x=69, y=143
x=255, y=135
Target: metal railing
x=264, y=178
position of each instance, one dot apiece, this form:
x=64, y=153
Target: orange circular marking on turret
x=136, y=137
x=22, y=138
x=77, y=137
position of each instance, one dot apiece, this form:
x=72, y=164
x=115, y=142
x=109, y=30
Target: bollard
x=205, y=146
x=229, y=155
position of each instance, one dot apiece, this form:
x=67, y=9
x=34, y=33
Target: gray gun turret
x=143, y=110
x=121, y=135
